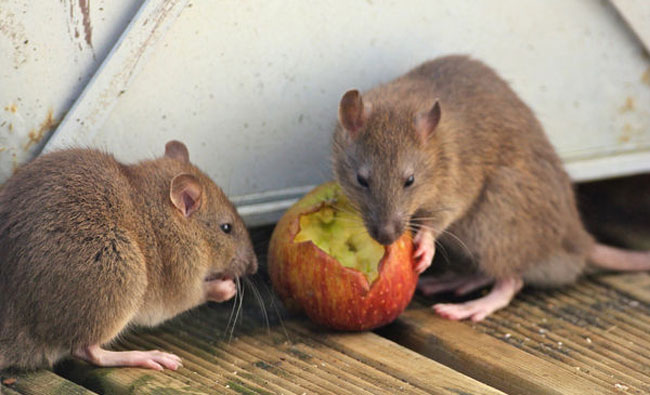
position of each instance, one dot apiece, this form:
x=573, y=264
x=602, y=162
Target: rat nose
x=387, y=233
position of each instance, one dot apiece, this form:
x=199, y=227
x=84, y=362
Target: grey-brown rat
x=450, y=151
x=90, y=246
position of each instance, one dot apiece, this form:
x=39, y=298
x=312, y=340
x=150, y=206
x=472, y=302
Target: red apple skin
x=308, y=279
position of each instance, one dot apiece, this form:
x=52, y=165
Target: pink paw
x=424, y=250
x=220, y=290
x=155, y=359
x=461, y=311
x=476, y=310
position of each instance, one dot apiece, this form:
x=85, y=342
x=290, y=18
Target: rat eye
x=227, y=228
x=409, y=181
x=362, y=181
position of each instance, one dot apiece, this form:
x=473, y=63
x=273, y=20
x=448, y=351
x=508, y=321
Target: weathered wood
x=39, y=383
x=400, y=362
x=272, y=360
x=584, y=335
x=127, y=380
x=367, y=358
x=463, y=348
x=4, y=390
x=637, y=285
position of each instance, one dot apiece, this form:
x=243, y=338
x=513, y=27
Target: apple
x=322, y=261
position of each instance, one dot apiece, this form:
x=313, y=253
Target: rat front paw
x=220, y=290
x=425, y=249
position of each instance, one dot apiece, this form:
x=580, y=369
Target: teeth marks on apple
x=340, y=233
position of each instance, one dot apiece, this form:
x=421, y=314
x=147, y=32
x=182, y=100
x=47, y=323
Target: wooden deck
x=590, y=338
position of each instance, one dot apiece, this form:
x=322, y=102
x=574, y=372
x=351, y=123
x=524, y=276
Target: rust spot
x=627, y=133
x=628, y=106
x=645, y=77
x=10, y=127
x=36, y=135
x=88, y=29
x=11, y=108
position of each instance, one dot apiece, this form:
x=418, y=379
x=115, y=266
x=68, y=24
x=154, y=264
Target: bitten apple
x=322, y=261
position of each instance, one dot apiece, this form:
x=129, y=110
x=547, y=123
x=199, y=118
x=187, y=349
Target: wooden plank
x=7, y=391
x=387, y=363
x=126, y=380
x=40, y=382
x=463, y=348
x=585, y=338
x=400, y=362
x=269, y=360
x=637, y=285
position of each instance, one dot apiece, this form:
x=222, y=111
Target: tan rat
x=450, y=150
x=90, y=246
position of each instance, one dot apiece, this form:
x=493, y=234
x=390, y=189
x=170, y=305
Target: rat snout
x=252, y=265
x=386, y=232
x=245, y=263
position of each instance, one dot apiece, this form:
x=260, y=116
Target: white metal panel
x=637, y=15
x=114, y=76
x=48, y=51
x=252, y=87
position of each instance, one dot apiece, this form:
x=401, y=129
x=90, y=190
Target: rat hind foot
x=154, y=359
x=461, y=285
x=476, y=310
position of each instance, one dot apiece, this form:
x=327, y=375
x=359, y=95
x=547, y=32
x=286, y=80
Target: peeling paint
x=88, y=28
x=79, y=23
x=36, y=135
x=12, y=28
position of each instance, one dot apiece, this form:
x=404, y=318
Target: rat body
x=450, y=151
x=90, y=246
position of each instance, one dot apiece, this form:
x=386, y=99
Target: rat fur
x=90, y=246
x=450, y=151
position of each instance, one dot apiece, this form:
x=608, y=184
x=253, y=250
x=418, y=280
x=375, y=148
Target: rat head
x=219, y=231
x=380, y=160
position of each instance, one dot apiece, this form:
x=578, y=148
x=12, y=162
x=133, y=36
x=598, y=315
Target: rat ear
x=177, y=150
x=353, y=112
x=426, y=123
x=185, y=193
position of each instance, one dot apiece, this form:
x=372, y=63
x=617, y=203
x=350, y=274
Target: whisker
x=443, y=251
x=260, y=301
x=462, y=244
x=277, y=311
x=240, y=298
x=429, y=212
x=232, y=311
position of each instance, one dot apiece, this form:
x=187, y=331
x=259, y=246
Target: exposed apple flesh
x=322, y=261
x=341, y=234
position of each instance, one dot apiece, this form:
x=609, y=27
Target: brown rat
x=90, y=246
x=450, y=151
